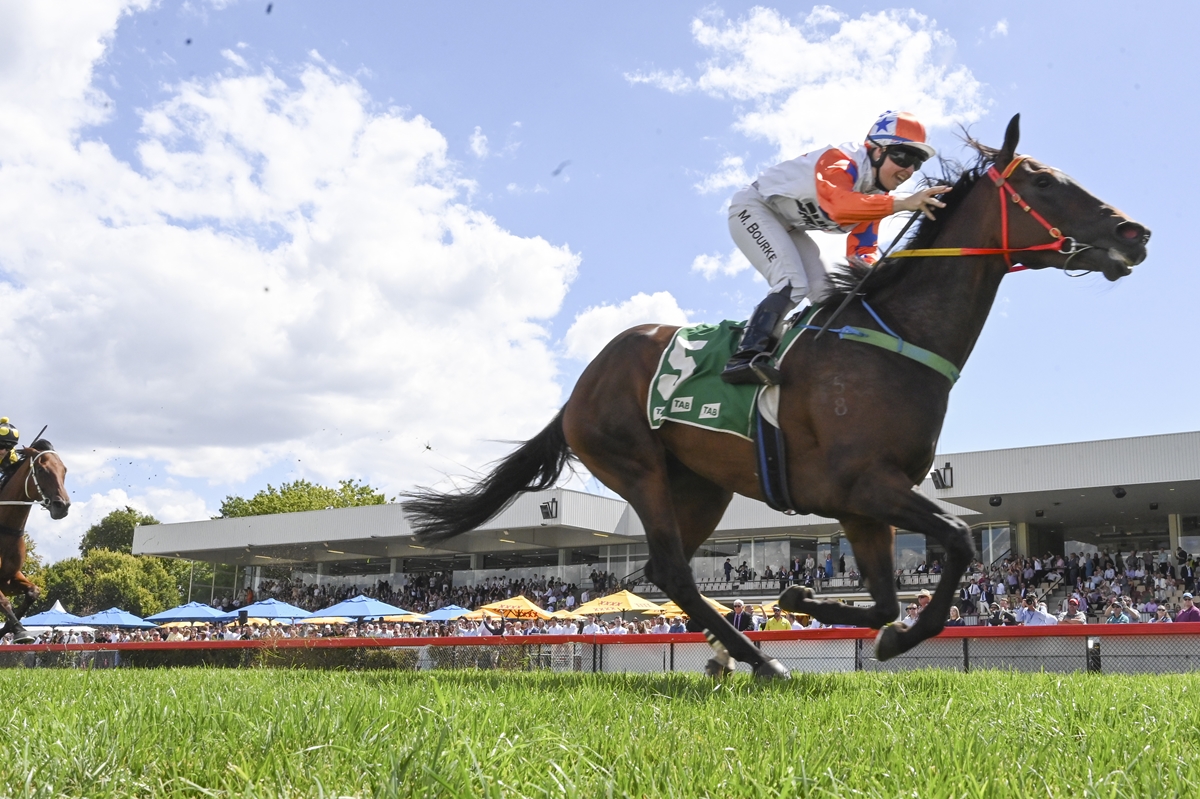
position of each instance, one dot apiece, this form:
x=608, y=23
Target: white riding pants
x=780, y=255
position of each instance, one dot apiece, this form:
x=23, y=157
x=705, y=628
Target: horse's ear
x=1011, y=136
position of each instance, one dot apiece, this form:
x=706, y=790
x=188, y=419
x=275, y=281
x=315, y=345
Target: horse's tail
x=534, y=466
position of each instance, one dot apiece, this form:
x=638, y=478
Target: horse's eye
x=1042, y=181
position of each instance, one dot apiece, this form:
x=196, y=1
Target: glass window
x=845, y=550
x=773, y=555
x=910, y=550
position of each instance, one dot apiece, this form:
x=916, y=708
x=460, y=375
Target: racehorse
x=860, y=423
x=38, y=478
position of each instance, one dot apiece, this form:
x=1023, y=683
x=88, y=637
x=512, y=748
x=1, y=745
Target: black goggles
x=905, y=157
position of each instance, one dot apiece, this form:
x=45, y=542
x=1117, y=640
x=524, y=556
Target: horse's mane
x=845, y=277
x=42, y=444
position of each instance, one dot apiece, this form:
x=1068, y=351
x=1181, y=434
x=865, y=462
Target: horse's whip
x=851, y=295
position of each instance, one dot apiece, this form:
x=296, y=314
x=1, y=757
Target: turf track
x=269, y=733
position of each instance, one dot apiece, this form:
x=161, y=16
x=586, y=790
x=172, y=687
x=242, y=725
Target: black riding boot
x=752, y=362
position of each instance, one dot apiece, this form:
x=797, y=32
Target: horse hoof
x=772, y=670
x=888, y=643
x=714, y=669
x=24, y=637
x=793, y=595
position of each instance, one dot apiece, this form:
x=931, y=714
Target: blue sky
x=238, y=261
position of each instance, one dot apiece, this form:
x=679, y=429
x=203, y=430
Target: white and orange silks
x=831, y=189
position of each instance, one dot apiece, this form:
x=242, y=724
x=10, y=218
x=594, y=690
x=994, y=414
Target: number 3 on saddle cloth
x=687, y=389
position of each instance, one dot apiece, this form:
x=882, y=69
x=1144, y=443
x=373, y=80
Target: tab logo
x=681, y=404
x=658, y=413
x=710, y=411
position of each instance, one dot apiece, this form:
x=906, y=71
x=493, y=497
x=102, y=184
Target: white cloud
x=288, y=274
x=235, y=59
x=1001, y=29
x=596, y=326
x=60, y=539
x=715, y=264
x=731, y=174
x=479, y=143
x=825, y=79
x=675, y=82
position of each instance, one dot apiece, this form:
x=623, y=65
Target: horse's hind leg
x=874, y=550
x=699, y=505
x=621, y=451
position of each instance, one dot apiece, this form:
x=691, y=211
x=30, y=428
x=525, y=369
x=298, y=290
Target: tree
x=115, y=531
x=301, y=495
x=34, y=567
x=104, y=579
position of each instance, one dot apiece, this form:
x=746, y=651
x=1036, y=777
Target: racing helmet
x=900, y=128
x=9, y=436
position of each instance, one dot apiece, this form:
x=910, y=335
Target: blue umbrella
x=447, y=613
x=363, y=607
x=192, y=611
x=269, y=609
x=115, y=617
x=54, y=617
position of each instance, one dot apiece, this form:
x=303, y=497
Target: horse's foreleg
x=31, y=593
x=874, y=551
x=896, y=503
x=20, y=635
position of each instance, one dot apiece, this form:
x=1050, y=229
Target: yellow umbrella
x=268, y=622
x=476, y=615
x=325, y=620
x=410, y=618
x=671, y=609
x=519, y=607
x=619, y=602
x=565, y=614
x=171, y=624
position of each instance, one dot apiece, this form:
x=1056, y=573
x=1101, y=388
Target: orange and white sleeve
x=835, y=179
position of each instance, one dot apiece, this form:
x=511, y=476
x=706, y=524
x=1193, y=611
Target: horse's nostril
x=1132, y=231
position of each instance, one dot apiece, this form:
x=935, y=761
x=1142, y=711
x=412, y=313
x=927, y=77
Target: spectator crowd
x=1111, y=588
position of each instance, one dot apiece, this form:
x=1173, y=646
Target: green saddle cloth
x=687, y=388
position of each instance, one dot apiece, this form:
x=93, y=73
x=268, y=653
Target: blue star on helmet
x=884, y=124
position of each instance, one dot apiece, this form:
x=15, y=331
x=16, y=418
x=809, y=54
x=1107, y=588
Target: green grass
x=266, y=733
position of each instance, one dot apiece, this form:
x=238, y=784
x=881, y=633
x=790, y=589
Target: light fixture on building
x=1039, y=513
x=1153, y=506
x=549, y=509
x=995, y=501
x=506, y=540
x=1119, y=492
x=943, y=478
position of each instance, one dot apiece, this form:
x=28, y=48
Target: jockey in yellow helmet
x=844, y=188
x=9, y=436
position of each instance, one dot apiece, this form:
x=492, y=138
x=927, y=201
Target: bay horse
x=860, y=423
x=39, y=478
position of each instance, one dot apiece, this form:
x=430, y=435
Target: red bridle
x=1063, y=244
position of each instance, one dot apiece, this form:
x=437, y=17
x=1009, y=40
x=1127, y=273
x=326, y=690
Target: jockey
x=838, y=189
x=8, y=444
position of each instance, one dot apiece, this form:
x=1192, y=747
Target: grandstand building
x=1122, y=494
